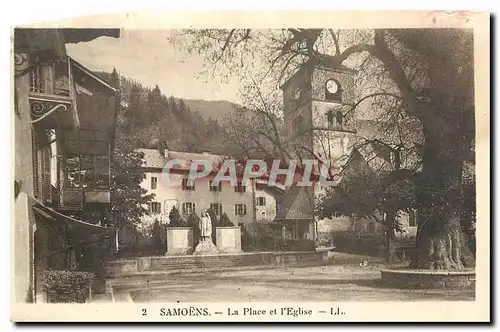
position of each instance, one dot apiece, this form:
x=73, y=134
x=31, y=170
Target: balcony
x=75, y=199
x=83, y=180
x=70, y=199
x=50, y=97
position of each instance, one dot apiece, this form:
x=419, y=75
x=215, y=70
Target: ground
x=350, y=282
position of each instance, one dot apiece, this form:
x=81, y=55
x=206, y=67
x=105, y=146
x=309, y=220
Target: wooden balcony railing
x=50, y=94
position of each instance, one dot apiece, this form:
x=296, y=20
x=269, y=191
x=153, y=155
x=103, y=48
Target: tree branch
x=381, y=51
x=377, y=94
x=335, y=41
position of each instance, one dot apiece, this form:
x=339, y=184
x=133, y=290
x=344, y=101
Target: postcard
x=251, y=167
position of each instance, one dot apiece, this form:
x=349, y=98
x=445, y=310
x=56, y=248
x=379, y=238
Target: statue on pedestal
x=205, y=226
x=205, y=246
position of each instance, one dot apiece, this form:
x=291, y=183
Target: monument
x=206, y=245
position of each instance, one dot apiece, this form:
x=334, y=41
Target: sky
x=150, y=58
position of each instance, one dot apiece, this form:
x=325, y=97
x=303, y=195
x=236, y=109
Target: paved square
x=321, y=283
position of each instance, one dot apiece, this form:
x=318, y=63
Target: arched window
x=339, y=118
x=334, y=119
x=330, y=119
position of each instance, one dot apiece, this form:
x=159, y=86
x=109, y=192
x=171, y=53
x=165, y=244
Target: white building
x=252, y=201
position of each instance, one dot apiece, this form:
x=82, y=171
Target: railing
x=50, y=79
x=68, y=198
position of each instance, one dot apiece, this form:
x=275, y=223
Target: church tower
x=318, y=114
x=319, y=123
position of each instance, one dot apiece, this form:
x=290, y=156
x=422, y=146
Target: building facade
x=252, y=201
x=64, y=119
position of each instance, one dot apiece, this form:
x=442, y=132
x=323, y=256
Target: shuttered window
x=240, y=209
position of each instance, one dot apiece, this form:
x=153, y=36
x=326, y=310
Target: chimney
x=164, y=149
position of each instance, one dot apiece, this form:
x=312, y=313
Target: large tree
x=429, y=71
x=128, y=198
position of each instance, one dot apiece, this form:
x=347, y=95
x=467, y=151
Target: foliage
x=158, y=236
x=67, y=286
x=414, y=75
x=367, y=244
x=193, y=220
x=363, y=193
x=298, y=245
x=224, y=221
x=176, y=220
x=128, y=198
x=148, y=114
x=213, y=216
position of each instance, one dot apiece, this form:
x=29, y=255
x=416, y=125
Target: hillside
x=147, y=114
x=216, y=110
x=213, y=109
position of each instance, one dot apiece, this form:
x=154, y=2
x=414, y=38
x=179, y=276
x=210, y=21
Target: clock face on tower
x=332, y=86
x=333, y=91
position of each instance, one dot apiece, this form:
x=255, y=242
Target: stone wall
x=414, y=279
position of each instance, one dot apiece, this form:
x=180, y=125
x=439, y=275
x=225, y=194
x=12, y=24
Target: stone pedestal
x=206, y=247
x=179, y=241
x=228, y=239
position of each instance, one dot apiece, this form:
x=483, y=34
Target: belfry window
x=339, y=119
x=335, y=119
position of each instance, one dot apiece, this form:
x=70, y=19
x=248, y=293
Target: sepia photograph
x=178, y=168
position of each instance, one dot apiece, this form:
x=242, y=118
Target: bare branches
x=335, y=38
x=372, y=95
x=226, y=43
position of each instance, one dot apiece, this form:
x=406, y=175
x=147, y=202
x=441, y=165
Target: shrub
x=299, y=245
x=157, y=237
x=67, y=286
x=193, y=220
x=213, y=217
x=224, y=221
x=176, y=219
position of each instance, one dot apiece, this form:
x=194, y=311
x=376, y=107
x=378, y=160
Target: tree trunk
x=440, y=239
x=390, y=242
x=440, y=244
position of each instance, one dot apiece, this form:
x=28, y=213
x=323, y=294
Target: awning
x=73, y=35
x=83, y=232
x=28, y=40
x=31, y=40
